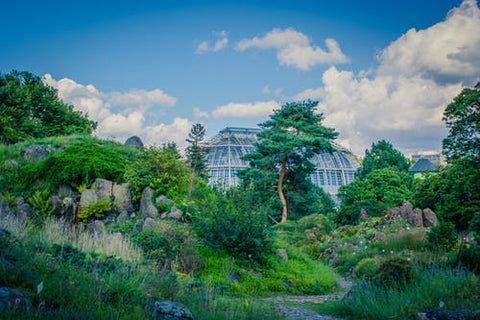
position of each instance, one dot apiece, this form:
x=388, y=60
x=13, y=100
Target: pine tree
x=290, y=138
x=196, y=152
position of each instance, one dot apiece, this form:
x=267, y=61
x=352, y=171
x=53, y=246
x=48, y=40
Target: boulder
x=163, y=200
x=150, y=224
x=134, y=142
x=416, y=219
x=429, y=218
x=88, y=197
x=123, y=216
x=34, y=152
x=103, y=188
x=24, y=210
x=96, y=226
x=175, y=213
x=5, y=209
x=122, y=197
x=169, y=310
x=443, y=315
x=13, y=299
x=57, y=205
x=64, y=190
x=147, y=209
x=69, y=209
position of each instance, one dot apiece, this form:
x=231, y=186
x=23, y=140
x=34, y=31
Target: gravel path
x=299, y=313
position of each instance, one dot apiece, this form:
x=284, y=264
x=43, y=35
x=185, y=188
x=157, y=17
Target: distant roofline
x=240, y=129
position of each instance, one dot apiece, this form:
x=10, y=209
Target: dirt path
x=299, y=313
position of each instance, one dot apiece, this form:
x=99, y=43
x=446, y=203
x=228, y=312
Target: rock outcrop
x=169, y=310
x=13, y=299
x=134, y=142
x=414, y=216
x=34, y=152
x=147, y=209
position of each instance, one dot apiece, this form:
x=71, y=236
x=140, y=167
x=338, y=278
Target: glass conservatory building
x=226, y=149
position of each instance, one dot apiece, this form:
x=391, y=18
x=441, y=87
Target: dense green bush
x=236, y=227
x=469, y=257
x=443, y=236
x=161, y=171
x=95, y=210
x=394, y=271
x=83, y=163
x=367, y=268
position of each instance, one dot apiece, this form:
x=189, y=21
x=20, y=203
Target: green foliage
x=95, y=210
x=382, y=155
x=453, y=193
x=443, y=236
x=381, y=188
x=462, y=118
x=469, y=257
x=196, y=152
x=83, y=163
x=42, y=205
x=160, y=170
x=290, y=138
x=367, y=268
x=236, y=227
x=427, y=291
x=31, y=109
x=350, y=214
x=394, y=271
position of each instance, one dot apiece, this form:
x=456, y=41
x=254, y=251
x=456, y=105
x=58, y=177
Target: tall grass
x=430, y=289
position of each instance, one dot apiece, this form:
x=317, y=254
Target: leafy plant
x=95, y=210
x=42, y=204
x=444, y=236
x=395, y=271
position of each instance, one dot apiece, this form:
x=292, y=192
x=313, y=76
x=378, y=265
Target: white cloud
x=129, y=117
x=220, y=44
x=294, y=49
x=447, y=52
x=404, y=98
x=245, y=110
x=197, y=113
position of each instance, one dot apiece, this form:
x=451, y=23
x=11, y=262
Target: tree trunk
x=280, y=189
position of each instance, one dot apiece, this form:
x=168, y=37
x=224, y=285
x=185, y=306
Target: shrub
x=395, y=271
x=83, y=163
x=367, y=268
x=444, y=236
x=160, y=170
x=42, y=205
x=236, y=227
x=95, y=210
x=469, y=257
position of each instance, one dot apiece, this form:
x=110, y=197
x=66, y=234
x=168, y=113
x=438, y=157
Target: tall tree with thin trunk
x=196, y=154
x=291, y=136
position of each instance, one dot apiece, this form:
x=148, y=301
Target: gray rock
x=175, y=213
x=5, y=209
x=169, y=310
x=416, y=219
x=430, y=219
x=69, y=209
x=34, y=152
x=134, y=142
x=97, y=226
x=12, y=164
x=24, y=210
x=444, y=315
x=103, y=188
x=88, y=197
x=13, y=299
x=123, y=199
x=150, y=224
x=123, y=216
x=64, y=189
x=282, y=253
x=163, y=199
x=147, y=209
x=57, y=205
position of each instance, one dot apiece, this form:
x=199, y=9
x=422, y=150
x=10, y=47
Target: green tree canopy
x=462, y=117
x=31, y=109
x=382, y=155
x=291, y=136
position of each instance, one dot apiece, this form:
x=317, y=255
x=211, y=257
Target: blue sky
x=380, y=69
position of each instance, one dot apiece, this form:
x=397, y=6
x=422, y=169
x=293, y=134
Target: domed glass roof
x=227, y=148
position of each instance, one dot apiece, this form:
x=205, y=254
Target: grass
x=430, y=289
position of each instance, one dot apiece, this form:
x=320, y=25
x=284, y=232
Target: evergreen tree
x=196, y=152
x=291, y=136
x=382, y=155
x=31, y=109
